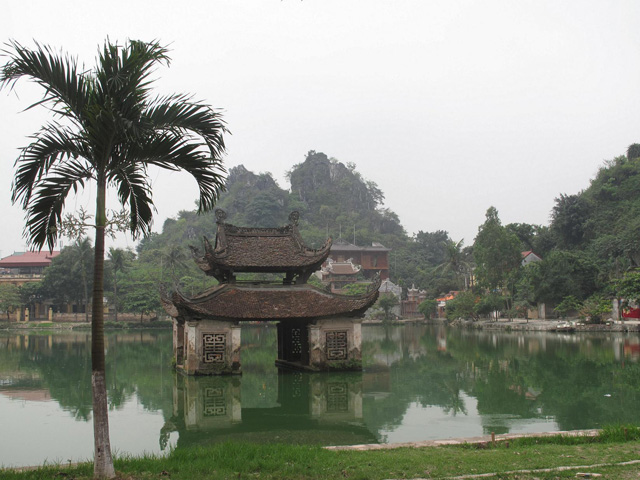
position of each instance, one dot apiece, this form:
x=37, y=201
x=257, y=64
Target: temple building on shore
x=317, y=329
x=372, y=261
x=24, y=267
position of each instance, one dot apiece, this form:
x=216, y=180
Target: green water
x=419, y=383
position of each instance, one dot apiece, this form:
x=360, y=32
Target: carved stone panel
x=337, y=397
x=215, y=404
x=213, y=347
x=337, y=348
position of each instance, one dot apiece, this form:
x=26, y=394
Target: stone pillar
x=542, y=312
x=26, y=314
x=178, y=343
x=335, y=344
x=50, y=314
x=211, y=347
x=191, y=351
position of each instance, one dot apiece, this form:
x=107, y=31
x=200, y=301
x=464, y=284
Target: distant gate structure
x=317, y=329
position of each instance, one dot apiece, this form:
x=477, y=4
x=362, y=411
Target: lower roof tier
x=268, y=302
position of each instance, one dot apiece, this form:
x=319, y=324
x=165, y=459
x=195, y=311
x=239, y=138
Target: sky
x=451, y=107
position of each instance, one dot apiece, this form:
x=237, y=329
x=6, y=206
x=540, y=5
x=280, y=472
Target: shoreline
x=519, y=324
x=502, y=324
x=480, y=440
x=484, y=439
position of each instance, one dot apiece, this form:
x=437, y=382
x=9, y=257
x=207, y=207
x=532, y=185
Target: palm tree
x=107, y=129
x=455, y=261
x=173, y=256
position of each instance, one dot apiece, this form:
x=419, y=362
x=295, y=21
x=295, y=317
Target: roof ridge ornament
x=221, y=215
x=294, y=217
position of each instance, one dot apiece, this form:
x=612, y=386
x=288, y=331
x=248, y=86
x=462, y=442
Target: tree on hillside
x=173, y=258
x=569, y=218
x=526, y=233
x=264, y=210
x=431, y=247
x=628, y=288
x=108, y=130
x=633, y=151
x=565, y=273
x=496, y=252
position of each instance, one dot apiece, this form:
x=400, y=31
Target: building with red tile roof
x=22, y=267
x=529, y=257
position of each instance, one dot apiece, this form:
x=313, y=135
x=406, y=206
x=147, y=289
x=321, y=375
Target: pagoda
x=317, y=329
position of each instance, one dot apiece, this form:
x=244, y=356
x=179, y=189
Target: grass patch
x=274, y=461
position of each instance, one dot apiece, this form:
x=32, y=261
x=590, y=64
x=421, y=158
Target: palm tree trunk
x=115, y=293
x=86, y=293
x=103, y=462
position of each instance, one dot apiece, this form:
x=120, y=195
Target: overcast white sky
x=449, y=106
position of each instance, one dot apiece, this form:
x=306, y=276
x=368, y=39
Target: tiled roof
x=449, y=296
x=272, y=302
x=29, y=259
x=244, y=249
x=341, y=245
x=343, y=268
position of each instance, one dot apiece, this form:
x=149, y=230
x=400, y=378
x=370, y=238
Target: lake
x=420, y=382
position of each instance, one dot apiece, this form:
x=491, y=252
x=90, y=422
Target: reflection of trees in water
x=137, y=363
x=260, y=378
x=511, y=376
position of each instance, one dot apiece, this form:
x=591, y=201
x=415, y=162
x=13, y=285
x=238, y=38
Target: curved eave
x=169, y=306
x=232, y=302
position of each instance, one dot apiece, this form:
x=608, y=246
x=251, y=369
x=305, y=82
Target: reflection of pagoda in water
x=317, y=330
x=325, y=409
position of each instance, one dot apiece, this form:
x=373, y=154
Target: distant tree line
x=590, y=250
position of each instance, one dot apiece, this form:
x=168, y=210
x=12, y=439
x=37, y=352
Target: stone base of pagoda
x=207, y=347
x=328, y=344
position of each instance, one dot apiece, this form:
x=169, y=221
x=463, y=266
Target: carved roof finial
x=221, y=215
x=294, y=217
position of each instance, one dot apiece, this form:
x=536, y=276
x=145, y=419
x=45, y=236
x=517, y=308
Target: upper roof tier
x=267, y=250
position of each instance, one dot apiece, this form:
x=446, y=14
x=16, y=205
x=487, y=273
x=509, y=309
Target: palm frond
x=179, y=114
x=133, y=190
x=44, y=213
x=173, y=152
x=123, y=75
x=66, y=89
x=53, y=144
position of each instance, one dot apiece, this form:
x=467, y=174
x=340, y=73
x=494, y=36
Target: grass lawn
x=507, y=459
